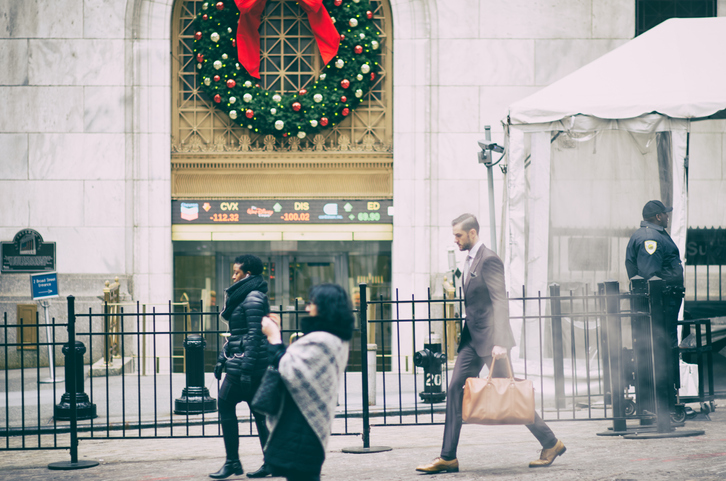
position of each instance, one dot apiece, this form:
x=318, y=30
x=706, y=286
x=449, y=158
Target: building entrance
x=203, y=270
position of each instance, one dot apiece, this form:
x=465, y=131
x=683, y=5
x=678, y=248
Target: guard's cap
x=654, y=207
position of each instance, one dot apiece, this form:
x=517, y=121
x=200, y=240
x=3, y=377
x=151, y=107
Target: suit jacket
x=487, y=307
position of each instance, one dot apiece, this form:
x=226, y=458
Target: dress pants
x=469, y=364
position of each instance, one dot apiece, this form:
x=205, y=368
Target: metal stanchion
x=195, y=397
x=74, y=463
x=663, y=373
x=363, y=316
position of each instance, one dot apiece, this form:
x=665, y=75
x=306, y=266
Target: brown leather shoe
x=440, y=465
x=548, y=455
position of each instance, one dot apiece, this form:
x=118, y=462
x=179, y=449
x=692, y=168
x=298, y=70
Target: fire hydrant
x=431, y=359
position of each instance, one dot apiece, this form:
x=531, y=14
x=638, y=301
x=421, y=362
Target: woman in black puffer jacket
x=244, y=358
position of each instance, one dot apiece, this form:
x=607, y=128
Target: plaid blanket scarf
x=312, y=368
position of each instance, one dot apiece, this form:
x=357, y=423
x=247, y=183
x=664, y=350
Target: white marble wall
x=84, y=135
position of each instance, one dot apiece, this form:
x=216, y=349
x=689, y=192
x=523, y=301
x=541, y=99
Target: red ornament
x=345, y=112
x=344, y=99
x=338, y=3
x=342, y=37
x=358, y=49
x=218, y=98
x=198, y=36
x=303, y=91
x=220, y=6
x=234, y=42
x=249, y=113
x=373, y=75
x=369, y=14
x=285, y=134
x=296, y=106
x=231, y=83
x=216, y=78
x=323, y=121
x=257, y=85
x=205, y=17
x=200, y=58
x=345, y=83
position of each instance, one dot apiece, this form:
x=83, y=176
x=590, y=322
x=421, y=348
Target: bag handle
x=509, y=368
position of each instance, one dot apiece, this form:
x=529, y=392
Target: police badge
x=650, y=246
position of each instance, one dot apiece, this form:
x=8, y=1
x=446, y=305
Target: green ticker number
x=369, y=216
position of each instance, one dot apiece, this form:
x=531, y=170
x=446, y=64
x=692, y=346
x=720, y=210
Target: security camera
x=493, y=146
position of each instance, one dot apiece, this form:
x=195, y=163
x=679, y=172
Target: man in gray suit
x=486, y=334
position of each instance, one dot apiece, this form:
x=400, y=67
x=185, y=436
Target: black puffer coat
x=246, y=337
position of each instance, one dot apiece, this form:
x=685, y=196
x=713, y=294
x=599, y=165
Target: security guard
x=652, y=252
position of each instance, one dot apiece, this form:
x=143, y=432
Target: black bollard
x=86, y=409
x=195, y=397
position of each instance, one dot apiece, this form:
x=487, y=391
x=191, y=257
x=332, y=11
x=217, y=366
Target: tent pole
x=490, y=177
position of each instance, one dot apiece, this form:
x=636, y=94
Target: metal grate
x=289, y=62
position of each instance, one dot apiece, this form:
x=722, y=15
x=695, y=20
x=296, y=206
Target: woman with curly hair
x=311, y=369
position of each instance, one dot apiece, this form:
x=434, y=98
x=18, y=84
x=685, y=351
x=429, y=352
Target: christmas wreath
x=226, y=45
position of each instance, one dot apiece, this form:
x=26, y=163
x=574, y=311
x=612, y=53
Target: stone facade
x=85, y=126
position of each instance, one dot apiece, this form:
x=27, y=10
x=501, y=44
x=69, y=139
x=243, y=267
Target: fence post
x=615, y=352
x=363, y=317
x=557, y=349
x=644, y=393
x=71, y=386
x=604, y=346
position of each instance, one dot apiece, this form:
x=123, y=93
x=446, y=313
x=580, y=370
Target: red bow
x=248, y=36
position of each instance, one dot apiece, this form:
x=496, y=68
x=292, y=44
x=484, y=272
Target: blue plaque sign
x=44, y=285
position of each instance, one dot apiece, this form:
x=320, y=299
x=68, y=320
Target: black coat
x=247, y=339
x=294, y=446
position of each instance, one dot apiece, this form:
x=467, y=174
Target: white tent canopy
x=677, y=69
x=585, y=153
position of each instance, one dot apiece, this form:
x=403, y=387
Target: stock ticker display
x=271, y=211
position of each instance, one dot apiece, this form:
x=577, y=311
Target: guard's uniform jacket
x=652, y=252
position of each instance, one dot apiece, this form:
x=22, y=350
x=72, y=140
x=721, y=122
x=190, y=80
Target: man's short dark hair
x=249, y=263
x=467, y=221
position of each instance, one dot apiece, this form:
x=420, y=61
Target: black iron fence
x=157, y=381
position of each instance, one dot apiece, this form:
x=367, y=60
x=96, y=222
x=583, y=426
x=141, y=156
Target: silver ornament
x=362, y=35
x=374, y=45
x=199, y=66
x=237, y=66
x=214, y=37
x=205, y=6
x=273, y=110
x=276, y=98
x=301, y=135
x=208, y=81
x=332, y=19
x=217, y=64
x=249, y=126
x=365, y=68
x=313, y=123
x=225, y=56
x=322, y=76
x=247, y=97
x=232, y=100
x=353, y=22
x=356, y=1
x=359, y=77
x=340, y=63
x=317, y=98
x=248, y=84
x=229, y=29
x=232, y=114
x=279, y=124
x=359, y=93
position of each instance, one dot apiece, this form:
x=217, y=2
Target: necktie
x=467, y=263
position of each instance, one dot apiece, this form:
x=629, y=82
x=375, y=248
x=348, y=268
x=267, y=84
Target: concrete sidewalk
x=498, y=452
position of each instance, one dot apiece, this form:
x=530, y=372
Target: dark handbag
x=268, y=397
